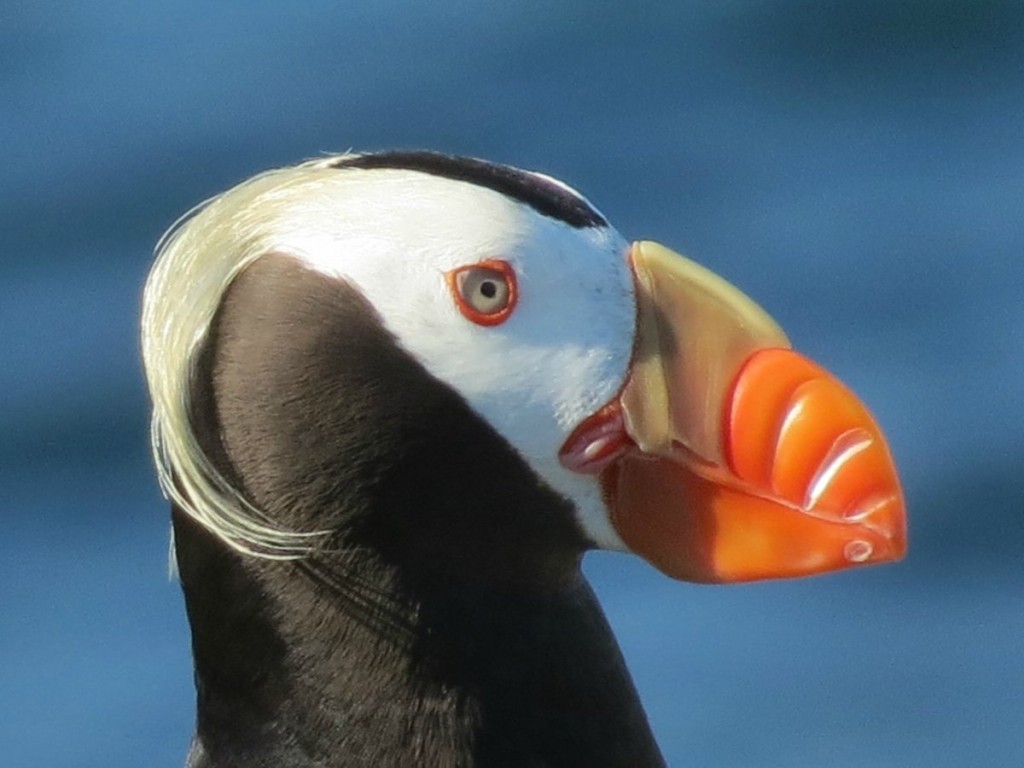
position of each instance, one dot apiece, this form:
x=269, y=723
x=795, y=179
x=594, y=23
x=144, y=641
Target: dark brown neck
x=312, y=665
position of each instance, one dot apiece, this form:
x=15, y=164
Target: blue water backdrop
x=855, y=165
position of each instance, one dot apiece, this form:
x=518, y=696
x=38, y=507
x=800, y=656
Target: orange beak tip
x=809, y=486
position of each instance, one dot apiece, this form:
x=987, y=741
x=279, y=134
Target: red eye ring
x=485, y=292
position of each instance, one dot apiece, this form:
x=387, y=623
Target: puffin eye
x=485, y=293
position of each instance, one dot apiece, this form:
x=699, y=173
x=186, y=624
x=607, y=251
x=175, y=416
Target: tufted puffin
x=397, y=396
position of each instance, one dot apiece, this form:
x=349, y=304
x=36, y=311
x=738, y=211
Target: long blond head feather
x=196, y=260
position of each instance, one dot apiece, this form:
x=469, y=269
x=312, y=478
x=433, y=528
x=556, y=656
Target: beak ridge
x=695, y=331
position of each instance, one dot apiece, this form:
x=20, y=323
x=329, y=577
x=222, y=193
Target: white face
x=561, y=353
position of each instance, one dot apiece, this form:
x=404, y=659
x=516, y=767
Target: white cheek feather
x=562, y=353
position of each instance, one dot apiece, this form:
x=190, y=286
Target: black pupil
x=488, y=289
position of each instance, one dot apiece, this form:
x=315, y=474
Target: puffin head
x=338, y=324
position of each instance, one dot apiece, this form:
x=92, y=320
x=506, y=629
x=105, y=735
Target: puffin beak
x=727, y=456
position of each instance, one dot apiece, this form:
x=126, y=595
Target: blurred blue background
x=856, y=165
